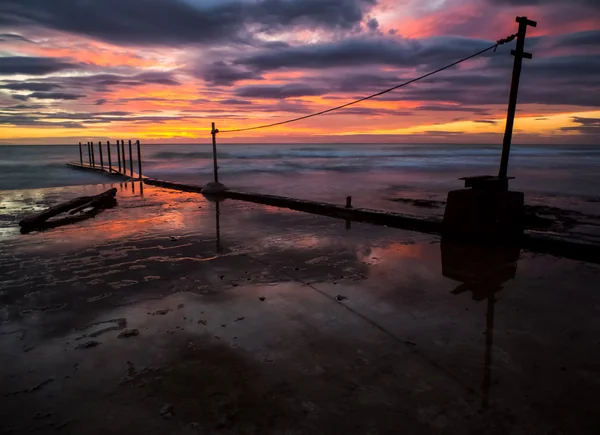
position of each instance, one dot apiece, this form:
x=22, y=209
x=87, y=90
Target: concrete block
x=484, y=216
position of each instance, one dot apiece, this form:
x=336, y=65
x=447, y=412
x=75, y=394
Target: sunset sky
x=162, y=70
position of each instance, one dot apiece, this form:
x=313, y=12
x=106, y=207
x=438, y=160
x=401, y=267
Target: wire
x=464, y=59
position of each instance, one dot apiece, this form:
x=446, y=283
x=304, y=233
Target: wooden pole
x=214, y=132
x=130, y=159
x=80, y=154
x=101, y=158
x=93, y=158
x=119, y=156
x=123, y=155
x=89, y=154
x=519, y=54
x=139, y=159
x=109, y=157
x=348, y=202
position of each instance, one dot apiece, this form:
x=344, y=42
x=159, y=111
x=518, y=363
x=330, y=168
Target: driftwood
x=97, y=202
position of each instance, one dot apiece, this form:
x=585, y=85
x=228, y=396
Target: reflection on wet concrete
x=253, y=319
x=482, y=270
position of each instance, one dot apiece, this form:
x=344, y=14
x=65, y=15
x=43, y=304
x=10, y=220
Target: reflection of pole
x=489, y=342
x=519, y=54
x=214, y=144
x=218, y=226
x=142, y=189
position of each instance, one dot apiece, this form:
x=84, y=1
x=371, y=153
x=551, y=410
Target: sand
x=162, y=316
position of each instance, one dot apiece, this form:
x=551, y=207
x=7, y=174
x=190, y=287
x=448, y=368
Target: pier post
x=89, y=154
x=93, y=158
x=80, y=154
x=109, y=157
x=139, y=159
x=119, y=156
x=130, y=159
x=214, y=132
x=101, y=158
x=123, y=155
x=519, y=54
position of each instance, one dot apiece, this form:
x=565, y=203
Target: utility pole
x=519, y=54
x=214, y=132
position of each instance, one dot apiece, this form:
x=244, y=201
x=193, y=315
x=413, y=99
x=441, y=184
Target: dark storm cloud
x=446, y=108
x=236, y=102
x=373, y=24
x=592, y=3
x=586, y=125
x=279, y=91
x=28, y=121
x=104, y=82
x=77, y=119
x=30, y=86
x=20, y=97
x=579, y=39
x=85, y=84
x=18, y=107
x=365, y=51
x=178, y=21
x=587, y=122
x=363, y=82
x=222, y=74
x=34, y=66
x=55, y=96
x=367, y=111
x=100, y=101
x=13, y=37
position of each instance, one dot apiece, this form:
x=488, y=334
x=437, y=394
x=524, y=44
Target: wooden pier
x=107, y=170
x=122, y=163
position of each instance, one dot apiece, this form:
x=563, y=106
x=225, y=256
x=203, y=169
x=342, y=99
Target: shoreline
x=152, y=317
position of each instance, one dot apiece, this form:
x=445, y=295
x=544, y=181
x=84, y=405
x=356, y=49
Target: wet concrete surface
x=166, y=315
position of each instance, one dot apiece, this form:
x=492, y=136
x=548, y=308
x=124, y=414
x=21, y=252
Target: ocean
x=373, y=174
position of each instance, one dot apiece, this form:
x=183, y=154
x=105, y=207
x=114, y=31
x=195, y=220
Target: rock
x=166, y=411
x=203, y=322
x=88, y=344
x=262, y=299
x=129, y=333
x=161, y=312
x=341, y=298
x=239, y=319
x=173, y=239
